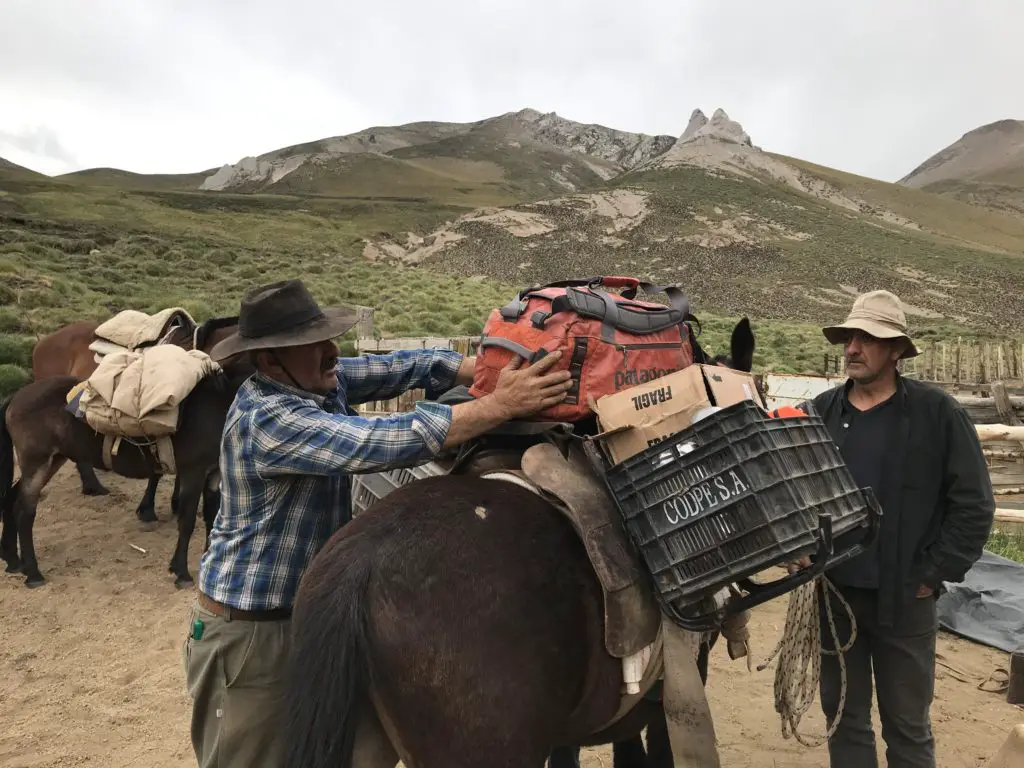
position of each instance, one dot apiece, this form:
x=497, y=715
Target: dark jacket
x=936, y=495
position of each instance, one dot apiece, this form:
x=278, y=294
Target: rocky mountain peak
x=623, y=148
x=719, y=127
x=607, y=152
x=697, y=121
x=990, y=153
x=1008, y=127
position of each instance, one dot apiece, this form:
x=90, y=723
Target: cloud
x=39, y=144
x=183, y=85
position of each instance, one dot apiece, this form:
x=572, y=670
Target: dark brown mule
x=36, y=424
x=65, y=352
x=461, y=619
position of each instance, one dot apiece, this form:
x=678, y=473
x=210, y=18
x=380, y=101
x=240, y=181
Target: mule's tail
x=6, y=455
x=8, y=495
x=328, y=666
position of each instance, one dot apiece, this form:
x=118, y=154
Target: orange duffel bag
x=610, y=341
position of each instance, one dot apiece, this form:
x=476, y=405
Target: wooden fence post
x=959, y=342
x=364, y=323
x=1004, y=406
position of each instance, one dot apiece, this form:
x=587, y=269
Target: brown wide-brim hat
x=876, y=313
x=283, y=314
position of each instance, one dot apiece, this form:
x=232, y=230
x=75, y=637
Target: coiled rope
x=799, y=647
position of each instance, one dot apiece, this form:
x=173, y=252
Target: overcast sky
x=171, y=86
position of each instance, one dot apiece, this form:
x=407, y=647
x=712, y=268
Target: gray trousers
x=235, y=678
x=900, y=662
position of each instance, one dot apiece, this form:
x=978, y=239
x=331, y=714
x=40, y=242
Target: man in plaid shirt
x=290, y=440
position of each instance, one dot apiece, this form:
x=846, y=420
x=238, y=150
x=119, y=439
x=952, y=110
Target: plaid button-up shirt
x=284, y=460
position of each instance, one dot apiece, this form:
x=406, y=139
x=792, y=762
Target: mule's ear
x=742, y=346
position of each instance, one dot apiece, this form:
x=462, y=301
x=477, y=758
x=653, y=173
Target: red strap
x=786, y=412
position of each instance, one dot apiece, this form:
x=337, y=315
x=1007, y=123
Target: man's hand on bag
x=923, y=591
x=525, y=391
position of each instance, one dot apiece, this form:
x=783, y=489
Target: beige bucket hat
x=879, y=314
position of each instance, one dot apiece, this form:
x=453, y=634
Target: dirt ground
x=90, y=671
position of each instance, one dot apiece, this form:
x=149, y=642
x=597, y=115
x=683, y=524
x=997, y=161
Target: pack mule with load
x=631, y=619
x=123, y=397
x=135, y=396
x=498, y=455
x=76, y=350
x=529, y=630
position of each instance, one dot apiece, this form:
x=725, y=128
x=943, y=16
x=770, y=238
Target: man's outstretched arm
x=382, y=377
x=311, y=441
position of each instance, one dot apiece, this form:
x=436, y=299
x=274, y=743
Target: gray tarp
x=988, y=606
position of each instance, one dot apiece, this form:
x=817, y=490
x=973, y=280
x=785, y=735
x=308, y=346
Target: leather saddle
x=550, y=456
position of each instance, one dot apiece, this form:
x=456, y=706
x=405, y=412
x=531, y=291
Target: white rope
x=510, y=477
x=799, y=647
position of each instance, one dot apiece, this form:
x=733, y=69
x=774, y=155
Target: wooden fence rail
x=962, y=363
x=467, y=345
x=1010, y=516
x=999, y=432
x=999, y=420
x=958, y=363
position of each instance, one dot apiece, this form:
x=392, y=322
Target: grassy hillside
x=13, y=172
x=985, y=168
x=739, y=243
x=532, y=169
x=113, y=177
x=946, y=220
x=467, y=184
x=1004, y=192
x=465, y=170
x=69, y=252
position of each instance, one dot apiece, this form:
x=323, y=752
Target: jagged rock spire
x=718, y=127
x=697, y=122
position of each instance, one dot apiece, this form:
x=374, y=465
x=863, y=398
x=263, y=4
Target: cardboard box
x=641, y=416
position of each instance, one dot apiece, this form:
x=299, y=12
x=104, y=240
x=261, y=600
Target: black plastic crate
x=732, y=495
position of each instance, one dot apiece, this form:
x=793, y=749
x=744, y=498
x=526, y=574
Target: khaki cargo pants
x=235, y=675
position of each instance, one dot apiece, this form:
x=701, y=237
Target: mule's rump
x=496, y=645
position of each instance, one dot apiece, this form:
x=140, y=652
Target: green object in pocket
x=197, y=629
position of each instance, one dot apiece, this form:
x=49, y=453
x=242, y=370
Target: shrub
x=13, y=321
x=156, y=269
x=16, y=350
x=12, y=378
x=34, y=298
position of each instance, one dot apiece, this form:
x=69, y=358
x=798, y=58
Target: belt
x=235, y=614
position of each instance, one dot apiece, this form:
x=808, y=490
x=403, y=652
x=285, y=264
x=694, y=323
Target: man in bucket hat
x=290, y=439
x=877, y=315
x=916, y=448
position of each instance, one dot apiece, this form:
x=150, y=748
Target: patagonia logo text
x=631, y=376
